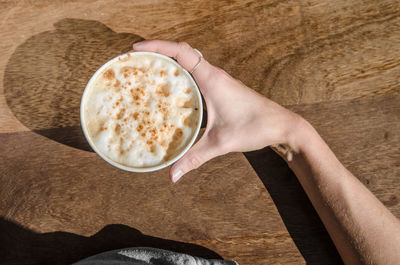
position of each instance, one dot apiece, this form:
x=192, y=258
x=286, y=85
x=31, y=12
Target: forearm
x=363, y=230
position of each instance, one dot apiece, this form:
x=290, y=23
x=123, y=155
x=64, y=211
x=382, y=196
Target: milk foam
x=141, y=110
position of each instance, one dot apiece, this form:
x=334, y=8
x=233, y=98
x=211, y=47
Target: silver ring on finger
x=198, y=63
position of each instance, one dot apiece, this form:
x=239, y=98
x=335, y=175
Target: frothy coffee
x=141, y=110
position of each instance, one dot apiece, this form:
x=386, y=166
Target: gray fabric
x=148, y=256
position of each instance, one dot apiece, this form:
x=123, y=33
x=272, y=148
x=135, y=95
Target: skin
x=240, y=119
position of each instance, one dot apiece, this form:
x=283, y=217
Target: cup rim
x=140, y=169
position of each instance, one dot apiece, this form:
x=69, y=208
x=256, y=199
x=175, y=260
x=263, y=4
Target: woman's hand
x=239, y=119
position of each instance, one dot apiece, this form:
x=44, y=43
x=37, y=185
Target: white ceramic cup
x=166, y=163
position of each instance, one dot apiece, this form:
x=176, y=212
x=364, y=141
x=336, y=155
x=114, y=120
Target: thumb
x=200, y=153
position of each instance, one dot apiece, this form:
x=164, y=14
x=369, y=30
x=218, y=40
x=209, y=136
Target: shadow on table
x=43, y=83
x=19, y=245
x=296, y=210
x=46, y=75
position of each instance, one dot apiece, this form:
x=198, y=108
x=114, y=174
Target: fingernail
x=176, y=176
x=137, y=45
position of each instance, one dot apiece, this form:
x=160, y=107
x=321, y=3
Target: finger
x=200, y=153
x=181, y=51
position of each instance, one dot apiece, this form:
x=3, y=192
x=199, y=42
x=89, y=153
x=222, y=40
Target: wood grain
x=22, y=246
x=46, y=75
x=363, y=134
x=48, y=186
x=334, y=62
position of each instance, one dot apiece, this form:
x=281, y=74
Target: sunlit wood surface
x=336, y=62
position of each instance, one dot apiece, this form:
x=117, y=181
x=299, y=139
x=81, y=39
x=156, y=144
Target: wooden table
x=336, y=62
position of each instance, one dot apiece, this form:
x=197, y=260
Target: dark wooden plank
x=48, y=187
x=266, y=247
x=19, y=245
